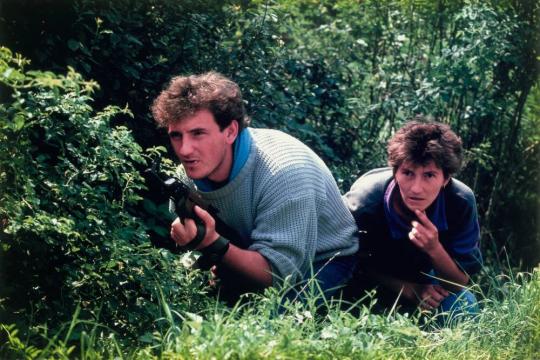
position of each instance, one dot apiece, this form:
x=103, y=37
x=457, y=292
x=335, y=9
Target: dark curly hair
x=185, y=95
x=420, y=142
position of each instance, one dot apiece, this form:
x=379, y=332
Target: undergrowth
x=265, y=327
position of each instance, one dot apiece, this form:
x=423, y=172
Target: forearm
x=425, y=236
x=446, y=270
x=394, y=284
x=250, y=265
x=428, y=296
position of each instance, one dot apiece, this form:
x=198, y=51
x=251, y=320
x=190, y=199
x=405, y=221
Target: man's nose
x=185, y=148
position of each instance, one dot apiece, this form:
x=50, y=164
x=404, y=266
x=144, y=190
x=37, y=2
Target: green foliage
x=341, y=76
x=507, y=327
x=68, y=181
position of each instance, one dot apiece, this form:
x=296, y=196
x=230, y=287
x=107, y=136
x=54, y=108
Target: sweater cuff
x=281, y=266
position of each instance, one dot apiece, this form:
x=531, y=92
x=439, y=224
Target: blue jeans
x=457, y=305
x=335, y=274
x=327, y=278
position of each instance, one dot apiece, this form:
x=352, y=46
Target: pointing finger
x=424, y=220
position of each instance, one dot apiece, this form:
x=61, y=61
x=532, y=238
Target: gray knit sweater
x=286, y=205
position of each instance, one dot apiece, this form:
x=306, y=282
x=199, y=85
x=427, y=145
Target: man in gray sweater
x=270, y=187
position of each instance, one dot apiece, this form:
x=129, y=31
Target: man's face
x=204, y=149
x=419, y=185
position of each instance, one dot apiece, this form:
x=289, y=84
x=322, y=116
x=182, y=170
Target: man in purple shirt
x=418, y=226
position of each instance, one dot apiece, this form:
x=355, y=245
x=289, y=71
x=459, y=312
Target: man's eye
x=175, y=136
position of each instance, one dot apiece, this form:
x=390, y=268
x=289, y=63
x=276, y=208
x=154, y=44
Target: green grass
x=508, y=327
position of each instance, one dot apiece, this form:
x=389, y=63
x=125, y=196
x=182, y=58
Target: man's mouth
x=190, y=162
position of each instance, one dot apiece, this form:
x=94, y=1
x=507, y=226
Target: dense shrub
x=68, y=239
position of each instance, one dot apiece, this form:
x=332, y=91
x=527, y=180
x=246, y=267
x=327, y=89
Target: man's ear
x=231, y=132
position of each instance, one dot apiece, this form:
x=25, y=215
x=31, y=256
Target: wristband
x=213, y=253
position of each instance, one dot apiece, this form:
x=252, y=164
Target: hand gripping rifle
x=183, y=199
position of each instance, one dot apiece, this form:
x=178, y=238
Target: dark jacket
x=399, y=257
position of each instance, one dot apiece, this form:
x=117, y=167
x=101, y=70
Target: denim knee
x=457, y=306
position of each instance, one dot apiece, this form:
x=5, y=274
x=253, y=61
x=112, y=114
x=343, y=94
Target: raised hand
x=424, y=234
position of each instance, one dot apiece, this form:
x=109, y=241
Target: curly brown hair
x=420, y=142
x=185, y=95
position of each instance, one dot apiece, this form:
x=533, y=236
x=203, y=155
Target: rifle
x=183, y=199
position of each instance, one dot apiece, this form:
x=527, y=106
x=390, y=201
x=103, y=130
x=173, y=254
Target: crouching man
x=270, y=187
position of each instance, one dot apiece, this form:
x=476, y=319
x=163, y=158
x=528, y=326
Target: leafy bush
x=68, y=181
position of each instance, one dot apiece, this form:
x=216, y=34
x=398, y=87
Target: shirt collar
x=400, y=229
